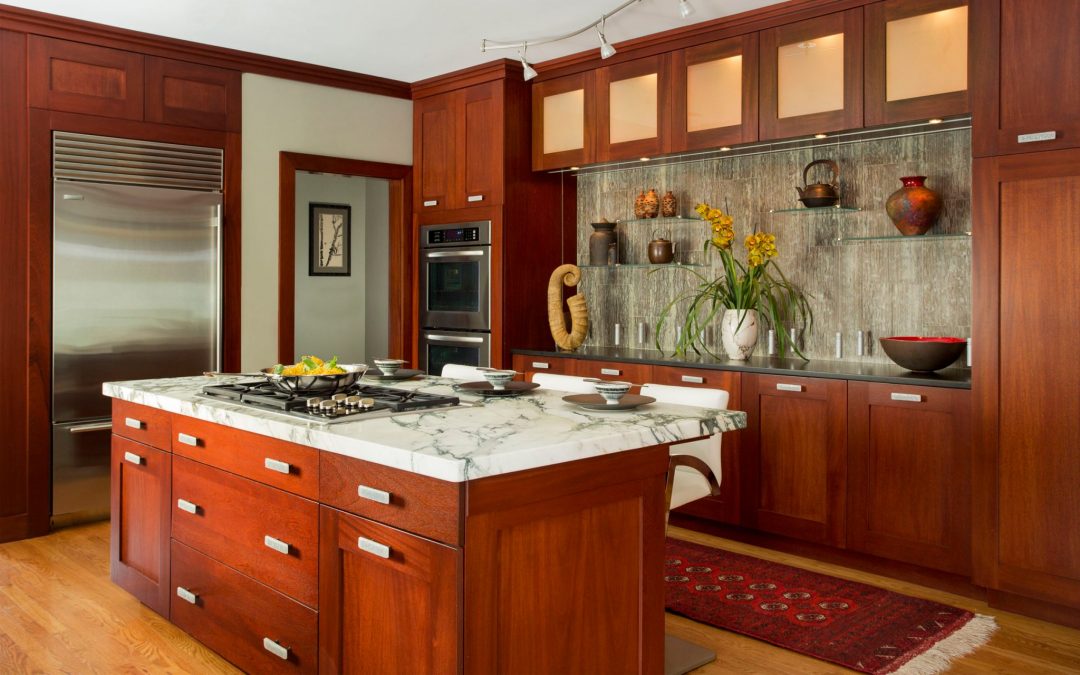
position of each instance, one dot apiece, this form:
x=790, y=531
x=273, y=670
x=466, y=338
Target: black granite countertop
x=955, y=378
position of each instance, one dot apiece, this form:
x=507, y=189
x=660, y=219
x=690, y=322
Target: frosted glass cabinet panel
x=714, y=94
x=631, y=107
x=810, y=76
x=565, y=117
x=564, y=122
x=916, y=60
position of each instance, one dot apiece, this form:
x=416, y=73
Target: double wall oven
x=455, y=295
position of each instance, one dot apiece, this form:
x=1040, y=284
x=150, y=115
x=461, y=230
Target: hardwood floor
x=60, y=613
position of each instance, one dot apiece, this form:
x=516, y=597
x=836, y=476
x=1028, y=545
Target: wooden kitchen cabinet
x=796, y=449
x=140, y=511
x=82, y=78
x=632, y=109
x=192, y=95
x=636, y=373
x=564, y=113
x=434, y=151
x=529, y=365
x=909, y=474
x=916, y=60
x=812, y=76
x=714, y=94
x=1024, y=91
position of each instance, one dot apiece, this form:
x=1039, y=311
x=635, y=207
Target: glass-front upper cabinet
x=564, y=121
x=714, y=95
x=916, y=60
x=812, y=76
x=631, y=106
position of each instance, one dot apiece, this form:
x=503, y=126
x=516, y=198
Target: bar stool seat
x=574, y=385
x=455, y=371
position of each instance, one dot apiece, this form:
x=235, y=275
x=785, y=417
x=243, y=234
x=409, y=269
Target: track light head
x=685, y=8
x=527, y=71
x=606, y=50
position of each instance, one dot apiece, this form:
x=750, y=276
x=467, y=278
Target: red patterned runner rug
x=854, y=625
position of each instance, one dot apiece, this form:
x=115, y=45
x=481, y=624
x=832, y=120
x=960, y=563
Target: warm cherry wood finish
x=796, y=450
x=636, y=373
x=434, y=151
x=608, y=150
x=851, y=115
x=909, y=474
x=82, y=78
x=1023, y=50
x=1027, y=505
x=192, y=95
x=682, y=139
x=233, y=614
x=139, y=539
x=528, y=366
x=879, y=110
x=542, y=161
x=539, y=554
x=399, y=614
x=232, y=518
x=147, y=425
x=427, y=506
x=246, y=454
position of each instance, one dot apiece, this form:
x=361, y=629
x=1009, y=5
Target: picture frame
x=329, y=240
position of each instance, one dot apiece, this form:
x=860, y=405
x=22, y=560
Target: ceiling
x=405, y=40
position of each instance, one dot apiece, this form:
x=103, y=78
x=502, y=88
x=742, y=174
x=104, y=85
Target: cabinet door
x=797, y=438
x=81, y=78
x=139, y=537
x=480, y=147
x=632, y=109
x=192, y=95
x=1024, y=91
x=389, y=601
x=916, y=60
x=433, y=143
x=909, y=474
x=564, y=122
x=1027, y=463
x=714, y=94
x=812, y=76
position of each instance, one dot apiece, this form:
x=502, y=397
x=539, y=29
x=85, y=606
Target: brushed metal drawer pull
x=475, y=198
x=693, y=379
x=540, y=365
x=783, y=386
x=188, y=439
x=610, y=371
x=185, y=594
x=133, y=458
x=133, y=423
x=1035, y=137
x=373, y=547
x=431, y=202
x=914, y=398
x=276, y=544
x=185, y=505
x=277, y=465
x=381, y=496
x=276, y=649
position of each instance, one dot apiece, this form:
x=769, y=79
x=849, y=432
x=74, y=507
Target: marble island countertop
x=489, y=437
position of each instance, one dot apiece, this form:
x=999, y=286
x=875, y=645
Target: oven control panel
x=477, y=233
x=458, y=235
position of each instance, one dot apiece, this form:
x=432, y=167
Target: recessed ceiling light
x=725, y=149
x=821, y=135
x=935, y=120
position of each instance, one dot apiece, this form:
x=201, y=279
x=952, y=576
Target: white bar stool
x=455, y=371
x=574, y=385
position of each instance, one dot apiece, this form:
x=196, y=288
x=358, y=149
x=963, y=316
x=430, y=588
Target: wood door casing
x=83, y=78
x=682, y=139
x=192, y=95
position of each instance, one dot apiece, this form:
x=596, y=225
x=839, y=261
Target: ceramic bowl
x=499, y=378
x=388, y=366
x=923, y=354
x=612, y=391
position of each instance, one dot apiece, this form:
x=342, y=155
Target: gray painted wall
x=377, y=269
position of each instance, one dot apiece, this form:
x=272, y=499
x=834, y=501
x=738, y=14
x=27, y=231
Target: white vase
x=739, y=333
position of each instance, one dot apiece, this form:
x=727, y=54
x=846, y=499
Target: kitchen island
x=504, y=535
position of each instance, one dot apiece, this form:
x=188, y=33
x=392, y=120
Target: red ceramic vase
x=913, y=208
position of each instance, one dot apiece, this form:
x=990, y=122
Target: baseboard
x=1038, y=609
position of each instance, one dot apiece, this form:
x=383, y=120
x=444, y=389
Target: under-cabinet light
x=725, y=149
x=934, y=120
x=821, y=135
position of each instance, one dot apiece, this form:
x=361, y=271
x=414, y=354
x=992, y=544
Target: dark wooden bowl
x=923, y=354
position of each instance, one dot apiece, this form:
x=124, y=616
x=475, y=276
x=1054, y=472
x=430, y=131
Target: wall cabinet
x=564, y=121
x=632, y=109
x=192, y=95
x=82, y=78
x=1025, y=50
x=909, y=474
x=714, y=94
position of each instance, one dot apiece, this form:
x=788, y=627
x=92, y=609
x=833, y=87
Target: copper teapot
x=661, y=250
x=821, y=194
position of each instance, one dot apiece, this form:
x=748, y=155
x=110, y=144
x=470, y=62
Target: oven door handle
x=451, y=338
x=454, y=254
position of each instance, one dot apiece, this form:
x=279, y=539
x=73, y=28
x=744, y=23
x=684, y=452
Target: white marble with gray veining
x=495, y=436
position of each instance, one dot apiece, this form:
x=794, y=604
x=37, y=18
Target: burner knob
x=327, y=406
x=366, y=403
x=353, y=402
x=340, y=397
x=314, y=402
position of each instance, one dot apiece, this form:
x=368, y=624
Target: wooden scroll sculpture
x=568, y=275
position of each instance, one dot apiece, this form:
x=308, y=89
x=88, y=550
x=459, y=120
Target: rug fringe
x=938, y=658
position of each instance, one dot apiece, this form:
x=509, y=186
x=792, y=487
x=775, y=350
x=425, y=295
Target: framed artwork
x=330, y=238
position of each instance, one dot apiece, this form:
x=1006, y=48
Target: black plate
x=399, y=374
x=513, y=388
x=597, y=402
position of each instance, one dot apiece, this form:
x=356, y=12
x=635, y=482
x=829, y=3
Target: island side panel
x=564, y=567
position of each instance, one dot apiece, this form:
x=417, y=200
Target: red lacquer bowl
x=923, y=354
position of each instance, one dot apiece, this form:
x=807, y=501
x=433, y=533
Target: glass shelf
x=639, y=265
x=666, y=219
x=818, y=209
x=893, y=237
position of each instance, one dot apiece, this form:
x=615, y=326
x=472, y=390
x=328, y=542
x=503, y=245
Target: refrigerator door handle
x=87, y=428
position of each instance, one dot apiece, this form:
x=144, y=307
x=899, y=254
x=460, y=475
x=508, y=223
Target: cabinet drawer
x=270, y=535
x=141, y=423
x=408, y=501
x=638, y=373
x=241, y=619
x=698, y=377
x=284, y=465
x=527, y=365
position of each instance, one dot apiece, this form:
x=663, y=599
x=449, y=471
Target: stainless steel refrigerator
x=136, y=291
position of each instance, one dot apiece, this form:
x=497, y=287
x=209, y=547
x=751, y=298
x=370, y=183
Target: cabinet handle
x=276, y=544
x=277, y=465
x=133, y=458
x=610, y=371
x=693, y=379
x=186, y=595
x=373, y=547
x=133, y=423
x=188, y=439
x=431, y=202
x=783, y=386
x=914, y=398
x=276, y=649
x=185, y=505
x=541, y=365
x=1036, y=137
x=475, y=198
x=381, y=496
